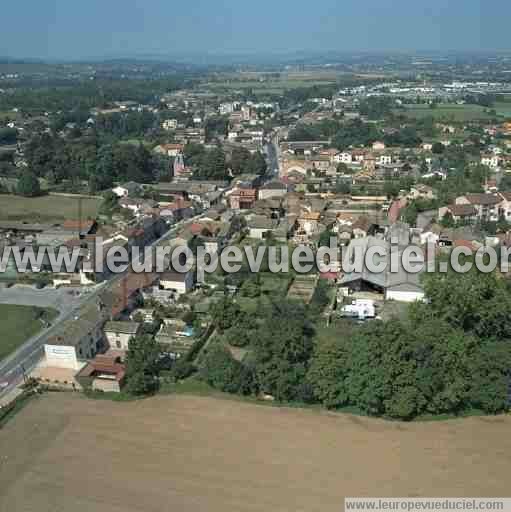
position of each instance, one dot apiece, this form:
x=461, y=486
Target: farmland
x=18, y=324
x=459, y=113
x=262, y=83
x=46, y=208
x=187, y=453
x=503, y=109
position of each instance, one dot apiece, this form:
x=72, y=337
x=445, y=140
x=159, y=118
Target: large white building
x=78, y=339
x=178, y=282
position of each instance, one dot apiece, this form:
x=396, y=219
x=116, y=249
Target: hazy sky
x=96, y=28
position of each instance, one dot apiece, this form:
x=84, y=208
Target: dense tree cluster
x=28, y=185
x=225, y=373
x=318, y=131
x=377, y=107
x=303, y=94
x=216, y=126
x=207, y=164
x=449, y=356
x=355, y=133
x=406, y=137
x=142, y=365
x=129, y=124
x=244, y=162
x=281, y=345
x=100, y=165
x=211, y=164
x=410, y=213
x=87, y=94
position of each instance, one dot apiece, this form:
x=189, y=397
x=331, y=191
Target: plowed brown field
x=65, y=453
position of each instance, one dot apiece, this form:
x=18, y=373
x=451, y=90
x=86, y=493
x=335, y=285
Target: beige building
x=78, y=339
x=118, y=334
x=272, y=189
x=104, y=373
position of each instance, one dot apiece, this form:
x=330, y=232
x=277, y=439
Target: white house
x=505, y=205
x=173, y=149
x=135, y=205
x=385, y=159
x=178, y=282
x=491, y=160
x=272, y=189
x=421, y=192
x=227, y=108
x=147, y=315
x=118, y=334
x=405, y=292
x=169, y=124
x=259, y=226
x=401, y=285
x=344, y=158
x=486, y=205
x=429, y=237
x=128, y=189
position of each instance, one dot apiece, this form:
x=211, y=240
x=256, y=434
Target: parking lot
x=62, y=299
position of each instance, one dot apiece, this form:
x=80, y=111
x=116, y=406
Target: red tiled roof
x=74, y=242
x=168, y=147
x=82, y=225
x=135, y=232
x=331, y=276
x=483, y=199
x=104, y=364
x=464, y=243
x=196, y=228
x=127, y=286
x=462, y=210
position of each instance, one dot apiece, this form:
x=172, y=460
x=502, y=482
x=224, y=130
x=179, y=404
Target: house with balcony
x=462, y=213
x=486, y=205
x=307, y=226
x=243, y=198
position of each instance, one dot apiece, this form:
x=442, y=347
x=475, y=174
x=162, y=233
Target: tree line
x=449, y=356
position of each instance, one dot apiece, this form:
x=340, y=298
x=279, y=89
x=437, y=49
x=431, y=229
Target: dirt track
x=66, y=453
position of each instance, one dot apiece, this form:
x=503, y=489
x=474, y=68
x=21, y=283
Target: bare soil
x=181, y=453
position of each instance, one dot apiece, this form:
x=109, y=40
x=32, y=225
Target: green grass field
x=20, y=323
x=273, y=284
x=460, y=113
x=9, y=115
x=503, y=108
x=47, y=208
x=262, y=83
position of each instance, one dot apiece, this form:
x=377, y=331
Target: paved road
x=272, y=159
x=26, y=357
